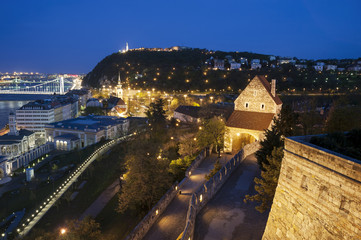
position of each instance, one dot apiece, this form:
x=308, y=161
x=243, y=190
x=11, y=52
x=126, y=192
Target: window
x=247, y=105
x=263, y=106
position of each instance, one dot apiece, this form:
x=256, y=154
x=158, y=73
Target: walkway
x=171, y=223
x=98, y=205
x=226, y=216
x=39, y=213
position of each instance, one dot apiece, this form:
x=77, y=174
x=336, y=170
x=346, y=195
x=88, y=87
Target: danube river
x=11, y=102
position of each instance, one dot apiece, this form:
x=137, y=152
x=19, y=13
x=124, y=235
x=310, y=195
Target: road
x=171, y=223
x=226, y=216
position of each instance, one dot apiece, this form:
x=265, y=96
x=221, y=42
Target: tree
x=216, y=167
x=156, y=113
x=212, y=132
x=343, y=118
x=187, y=146
x=178, y=167
x=266, y=185
x=87, y=229
x=283, y=126
x=147, y=178
x=157, y=119
x=269, y=158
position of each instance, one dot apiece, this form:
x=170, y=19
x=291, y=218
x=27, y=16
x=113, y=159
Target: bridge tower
x=61, y=86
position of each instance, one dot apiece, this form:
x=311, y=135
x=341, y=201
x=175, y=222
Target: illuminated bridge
x=44, y=87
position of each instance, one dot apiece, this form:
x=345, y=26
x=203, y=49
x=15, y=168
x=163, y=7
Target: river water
x=11, y=102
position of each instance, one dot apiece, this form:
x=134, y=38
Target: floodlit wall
x=203, y=195
x=318, y=195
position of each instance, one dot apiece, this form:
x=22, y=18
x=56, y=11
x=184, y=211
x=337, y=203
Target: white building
x=218, y=64
x=235, y=65
x=84, y=131
x=286, y=61
x=318, y=67
x=35, y=115
x=18, y=148
x=255, y=66
x=331, y=67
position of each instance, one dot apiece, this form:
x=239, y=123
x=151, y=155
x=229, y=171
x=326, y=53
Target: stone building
x=254, y=110
x=318, y=195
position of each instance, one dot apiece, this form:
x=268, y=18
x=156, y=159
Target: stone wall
x=203, y=195
x=318, y=195
x=147, y=222
x=255, y=94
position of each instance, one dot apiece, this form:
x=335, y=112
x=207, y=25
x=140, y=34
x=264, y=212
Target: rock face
x=318, y=195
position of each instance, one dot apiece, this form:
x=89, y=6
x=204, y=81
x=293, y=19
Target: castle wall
x=318, y=195
x=255, y=94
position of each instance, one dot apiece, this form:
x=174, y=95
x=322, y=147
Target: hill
x=163, y=70
x=191, y=69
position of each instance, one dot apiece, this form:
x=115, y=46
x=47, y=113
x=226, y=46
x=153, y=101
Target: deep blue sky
x=73, y=35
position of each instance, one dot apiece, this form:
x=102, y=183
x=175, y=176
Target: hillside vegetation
x=186, y=70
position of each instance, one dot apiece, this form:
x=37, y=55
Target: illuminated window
x=246, y=104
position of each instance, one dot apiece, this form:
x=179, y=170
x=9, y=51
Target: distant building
x=34, y=115
x=93, y=102
x=116, y=107
x=318, y=67
x=301, y=66
x=18, y=148
x=286, y=61
x=255, y=61
x=331, y=67
x=255, y=66
x=272, y=58
x=253, y=113
x=219, y=64
x=243, y=60
x=187, y=114
x=355, y=68
x=235, y=65
x=83, y=96
x=84, y=131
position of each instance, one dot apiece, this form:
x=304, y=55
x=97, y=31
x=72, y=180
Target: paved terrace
x=172, y=221
x=226, y=216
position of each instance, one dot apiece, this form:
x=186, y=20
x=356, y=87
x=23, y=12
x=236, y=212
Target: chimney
x=273, y=87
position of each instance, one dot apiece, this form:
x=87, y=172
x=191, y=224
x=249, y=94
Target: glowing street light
x=62, y=231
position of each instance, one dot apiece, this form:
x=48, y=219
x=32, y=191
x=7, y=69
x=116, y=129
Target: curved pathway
x=226, y=216
x=171, y=223
x=44, y=208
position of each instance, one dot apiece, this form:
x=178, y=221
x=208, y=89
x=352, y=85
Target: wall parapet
x=147, y=222
x=318, y=194
x=206, y=192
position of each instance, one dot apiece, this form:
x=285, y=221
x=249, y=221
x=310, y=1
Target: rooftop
x=87, y=122
x=250, y=120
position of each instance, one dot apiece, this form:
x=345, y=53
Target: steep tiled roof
x=250, y=120
x=267, y=85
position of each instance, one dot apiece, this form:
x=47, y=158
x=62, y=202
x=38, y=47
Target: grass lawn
x=99, y=175
x=116, y=224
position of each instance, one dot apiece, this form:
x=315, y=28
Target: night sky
x=74, y=35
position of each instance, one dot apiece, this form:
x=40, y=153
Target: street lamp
x=62, y=231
